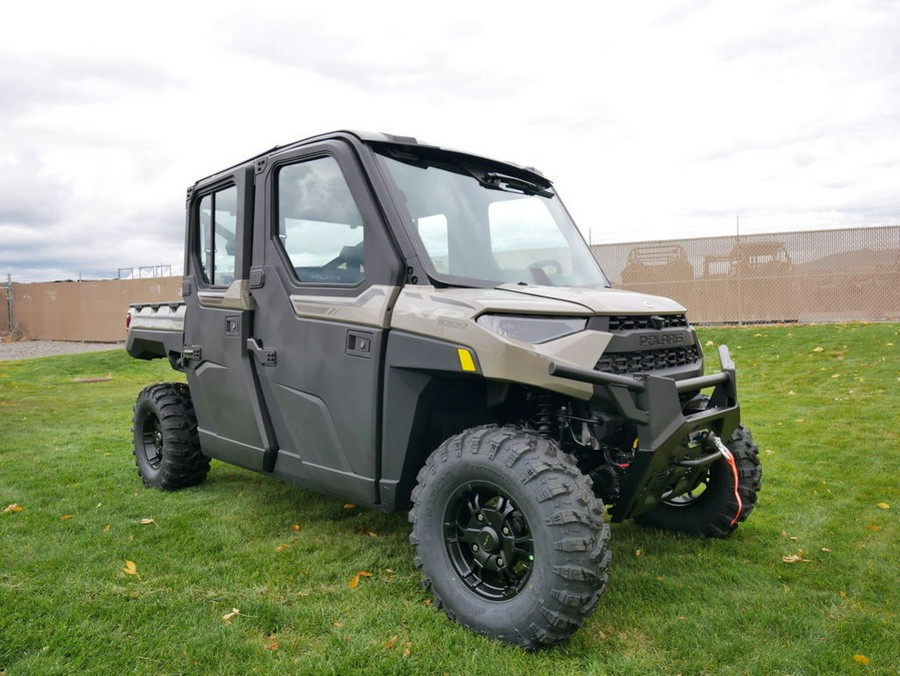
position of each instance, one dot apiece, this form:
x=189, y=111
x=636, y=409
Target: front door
x=323, y=287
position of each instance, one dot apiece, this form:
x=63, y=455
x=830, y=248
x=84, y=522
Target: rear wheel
x=166, y=446
x=509, y=536
x=712, y=508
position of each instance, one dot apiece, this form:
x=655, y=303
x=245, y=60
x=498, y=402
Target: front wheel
x=715, y=506
x=166, y=445
x=509, y=536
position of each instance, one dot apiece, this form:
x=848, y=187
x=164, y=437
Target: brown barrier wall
x=831, y=275
x=827, y=275
x=82, y=311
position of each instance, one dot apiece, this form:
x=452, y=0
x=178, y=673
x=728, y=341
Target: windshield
x=483, y=228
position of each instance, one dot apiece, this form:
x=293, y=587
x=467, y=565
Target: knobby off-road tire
x=509, y=536
x=709, y=510
x=166, y=445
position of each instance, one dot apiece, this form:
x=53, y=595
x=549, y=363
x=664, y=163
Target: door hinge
x=257, y=278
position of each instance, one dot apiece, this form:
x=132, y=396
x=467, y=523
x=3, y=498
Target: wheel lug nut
x=474, y=548
x=500, y=562
x=505, y=530
x=479, y=517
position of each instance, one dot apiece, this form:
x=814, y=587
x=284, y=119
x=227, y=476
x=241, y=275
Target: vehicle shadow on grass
x=284, y=501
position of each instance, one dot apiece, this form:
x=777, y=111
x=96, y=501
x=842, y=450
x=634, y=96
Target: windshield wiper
x=498, y=181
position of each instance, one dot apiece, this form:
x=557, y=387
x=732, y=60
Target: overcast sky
x=654, y=119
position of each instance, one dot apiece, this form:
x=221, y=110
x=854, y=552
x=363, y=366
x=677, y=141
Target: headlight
x=532, y=329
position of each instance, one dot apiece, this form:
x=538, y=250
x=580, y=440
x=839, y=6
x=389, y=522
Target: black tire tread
x=183, y=463
x=712, y=517
x=566, y=497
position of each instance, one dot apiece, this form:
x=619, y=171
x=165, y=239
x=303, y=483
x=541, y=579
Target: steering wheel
x=548, y=263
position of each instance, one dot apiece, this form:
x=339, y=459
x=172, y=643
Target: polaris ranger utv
x=410, y=327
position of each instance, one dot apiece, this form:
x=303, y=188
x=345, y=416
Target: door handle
x=359, y=343
x=266, y=357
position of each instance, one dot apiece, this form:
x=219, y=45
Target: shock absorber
x=543, y=421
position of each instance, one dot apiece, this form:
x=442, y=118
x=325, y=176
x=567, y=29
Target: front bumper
x=667, y=436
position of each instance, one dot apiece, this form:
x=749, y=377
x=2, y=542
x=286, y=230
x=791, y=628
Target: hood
x=426, y=302
x=600, y=301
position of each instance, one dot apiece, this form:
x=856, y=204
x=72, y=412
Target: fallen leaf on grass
x=349, y=505
x=147, y=522
x=826, y=550
x=390, y=643
x=228, y=617
x=106, y=528
x=860, y=659
x=339, y=625
x=280, y=548
x=296, y=526
x=874, y=528
x=883, y=505
x=638, y=552
x=795, y=558
x=407, y=650
x=354, y=582
x=65, y=517
x=274, y=645
x=372, y=534
x=130, y=568
x=818, y=349
x=12, y=509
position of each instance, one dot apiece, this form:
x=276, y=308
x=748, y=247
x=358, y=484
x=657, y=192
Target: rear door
x=218, y=318
x=323, y=280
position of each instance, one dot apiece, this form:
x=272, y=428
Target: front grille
x=631, y=322
x=649, y=360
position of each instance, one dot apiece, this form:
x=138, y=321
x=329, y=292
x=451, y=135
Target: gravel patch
x=29, y=349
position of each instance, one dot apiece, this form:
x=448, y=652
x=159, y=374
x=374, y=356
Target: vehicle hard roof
x=376, y=138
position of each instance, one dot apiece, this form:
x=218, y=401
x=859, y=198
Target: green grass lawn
x=822, y=401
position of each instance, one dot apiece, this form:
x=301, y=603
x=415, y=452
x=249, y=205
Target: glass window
x=217, y=221
x=433, y=232
x=481, y=227
x=319, y=224
x=524, y=235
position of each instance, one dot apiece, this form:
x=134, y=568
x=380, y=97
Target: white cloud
x=653, y=119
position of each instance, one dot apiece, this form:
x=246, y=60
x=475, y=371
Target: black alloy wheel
x=488, y=540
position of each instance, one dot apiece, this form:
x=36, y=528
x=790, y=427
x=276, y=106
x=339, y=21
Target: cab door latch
x=265, y=356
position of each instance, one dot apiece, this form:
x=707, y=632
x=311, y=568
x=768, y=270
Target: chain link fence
x=820, y=276
x=7, y=321
x=817, y=276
